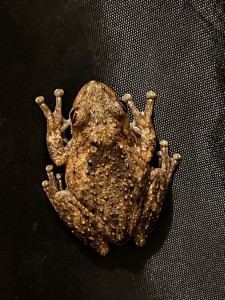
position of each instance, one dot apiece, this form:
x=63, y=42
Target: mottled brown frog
x=112, y=192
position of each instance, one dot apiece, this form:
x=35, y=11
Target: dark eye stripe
x=124, y=105
x=72, y=115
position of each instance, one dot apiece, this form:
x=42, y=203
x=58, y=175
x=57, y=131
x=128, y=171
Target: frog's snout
x=92, y=85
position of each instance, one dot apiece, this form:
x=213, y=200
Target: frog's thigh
x=77, y=218
x=152, y=206
x=74, y=214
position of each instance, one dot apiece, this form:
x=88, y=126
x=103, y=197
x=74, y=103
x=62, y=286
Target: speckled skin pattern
x=112, y=193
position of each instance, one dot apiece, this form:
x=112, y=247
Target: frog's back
x=106, y=181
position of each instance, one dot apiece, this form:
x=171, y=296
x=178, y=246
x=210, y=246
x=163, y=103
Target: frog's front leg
x=56, y=126
x=159, y=180
x=143, y=125
x=77, y=217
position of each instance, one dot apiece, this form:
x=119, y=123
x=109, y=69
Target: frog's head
x=98, y=109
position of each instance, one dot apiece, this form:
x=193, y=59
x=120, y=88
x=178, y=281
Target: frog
x=110, y=191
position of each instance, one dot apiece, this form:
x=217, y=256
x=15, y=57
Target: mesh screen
x=173, y=47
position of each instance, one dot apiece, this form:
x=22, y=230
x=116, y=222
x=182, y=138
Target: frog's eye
x=124, y=105
x=72, y=115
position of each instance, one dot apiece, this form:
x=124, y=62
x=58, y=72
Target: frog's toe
x=39, y=100
x=51, y=177
x=45, y=185
x=151, y=95
x=165, y=162
x=127, y=97
x=59, y=177
x=177, y=156
x=163, y=144
x=49, y=168
x=174, y=162
x=44, y=107
x=59, y=92
x=163, y=156
x=55, y=184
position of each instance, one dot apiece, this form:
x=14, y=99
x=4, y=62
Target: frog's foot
x=142, y=125
x=55, y=119
x=166, y=163
x=77, y=217
x=56, y=127
x=53, y=184
x=142, y=119
x=160, y=178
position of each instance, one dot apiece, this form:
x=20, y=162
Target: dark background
x=176, y=48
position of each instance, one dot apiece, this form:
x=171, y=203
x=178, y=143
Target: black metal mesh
x=173, y=47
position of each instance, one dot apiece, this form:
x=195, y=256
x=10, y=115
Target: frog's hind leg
x=160, y=178
x=77, y=217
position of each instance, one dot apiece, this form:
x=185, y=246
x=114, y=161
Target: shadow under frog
x=112, y=193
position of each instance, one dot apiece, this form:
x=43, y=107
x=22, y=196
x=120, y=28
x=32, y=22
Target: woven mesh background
x=177, y=49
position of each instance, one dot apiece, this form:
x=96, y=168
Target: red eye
x=73, y=115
